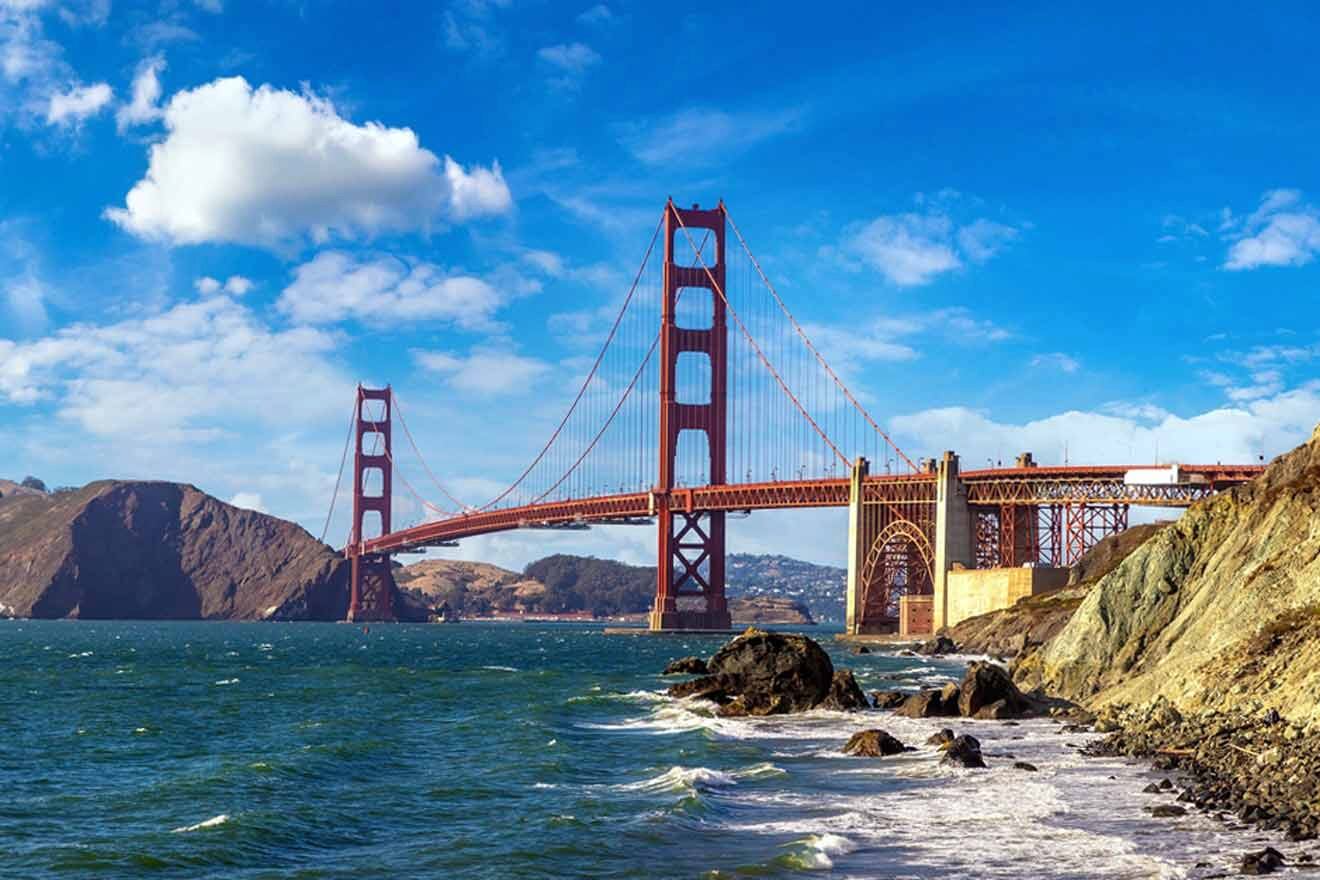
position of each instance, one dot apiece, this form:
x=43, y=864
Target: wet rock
x=686, y=666
x=709, y=687
x=1023, y=765
x=845, y=695
x=1153, y=788
x=1166, y=785
x=926, y=704
x=765, y=673
x=941, y=738
x=889, y=699
x=964, y=751
x=985, y=684
x=1267, y=861
x=1167, y=811
x=873, y=744
x=860, y=649
x=938, y=645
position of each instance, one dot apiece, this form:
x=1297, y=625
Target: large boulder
x=938, y=645
x=964, y=751
x=889, y=699
x=873, y=744
x=764, y=673
x=985, y=685
x=845, y=694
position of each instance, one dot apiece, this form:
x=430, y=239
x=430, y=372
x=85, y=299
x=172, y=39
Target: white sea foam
x=226, y=681
x=213, y=822
x=500, y=668
x=682, y=779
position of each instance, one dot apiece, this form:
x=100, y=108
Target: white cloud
x=145, y=105
x=597, y=15
x=235, y=285
x=1267, y=425
x=249, y=501
x=569, y=57
x=196, y=371
x=912, y=249
x=702, y=135
x=484, y=370
x=1056, y=360
x=25, y=300
x=1282, y=231
x=268, y=166
x=335, y=286
x=77, y=104
x=982, y=239
x=471, y=26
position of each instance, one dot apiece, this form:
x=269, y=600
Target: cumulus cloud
x=914, y=248
x=235, y=285
x=195, y=371
x=597, y=15
x=1282, y=231
x=267, y=166
x=145, y=105
x=335, y=286
x=1238, y=433
x=484, y=369
x=71, y=107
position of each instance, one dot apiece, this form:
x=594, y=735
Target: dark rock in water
x=1167, y=811
x=1153, y=788
x=986, y=683
x=1023, y=765
x=873, y=744
x=1166, y=784
x=1267, y=861
x=845, y=695
x=764, y=673
x=860, y=649
x=949, y=694
x=941, y=738
x=926, y=704
x=686, y=666
x=964, y=751
x=889, y=699
x=938, y=645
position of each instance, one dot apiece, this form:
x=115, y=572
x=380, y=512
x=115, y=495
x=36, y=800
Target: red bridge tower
x=371, y=591
x=691, y=546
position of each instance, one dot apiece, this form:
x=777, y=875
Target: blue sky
x=1034, y=230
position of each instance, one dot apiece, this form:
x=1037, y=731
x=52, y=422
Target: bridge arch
x=899, y=562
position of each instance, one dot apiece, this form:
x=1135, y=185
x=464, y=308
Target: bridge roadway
x=1030, y=486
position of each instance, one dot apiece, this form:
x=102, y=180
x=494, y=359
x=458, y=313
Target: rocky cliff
x=1218, y=611
x=153, y=550
x=1035, y=620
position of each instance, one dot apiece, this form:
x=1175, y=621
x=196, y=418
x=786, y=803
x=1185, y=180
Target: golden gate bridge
x=707, y=398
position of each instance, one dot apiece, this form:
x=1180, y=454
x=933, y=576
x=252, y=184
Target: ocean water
x=210, y=750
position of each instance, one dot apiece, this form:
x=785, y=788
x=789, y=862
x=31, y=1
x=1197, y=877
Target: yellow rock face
x=1220, y=610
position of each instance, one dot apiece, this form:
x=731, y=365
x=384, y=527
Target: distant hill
x=564, y=584
x=822, y=588
x=153, y=550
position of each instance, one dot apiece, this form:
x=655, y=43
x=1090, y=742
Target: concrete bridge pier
x=955, y=534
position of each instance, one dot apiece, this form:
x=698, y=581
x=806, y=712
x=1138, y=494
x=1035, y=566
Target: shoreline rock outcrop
x=772, y=673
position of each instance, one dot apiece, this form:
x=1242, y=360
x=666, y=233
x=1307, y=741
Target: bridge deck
x=998, y=486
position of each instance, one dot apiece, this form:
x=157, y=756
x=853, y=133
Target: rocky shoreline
x=1246, y=770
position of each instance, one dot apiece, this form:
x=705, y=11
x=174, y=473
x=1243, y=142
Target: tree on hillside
x=33, y=483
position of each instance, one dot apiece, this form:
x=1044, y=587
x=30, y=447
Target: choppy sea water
x=517, y=750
